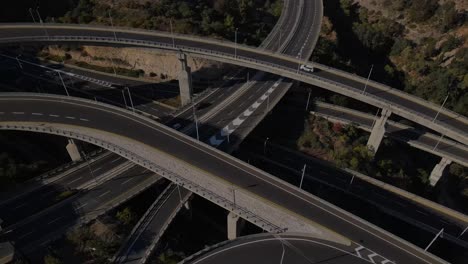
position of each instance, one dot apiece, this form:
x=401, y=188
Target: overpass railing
x=254, y=63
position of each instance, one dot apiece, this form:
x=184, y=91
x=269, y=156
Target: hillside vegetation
x=220, y=18
x=418, y=46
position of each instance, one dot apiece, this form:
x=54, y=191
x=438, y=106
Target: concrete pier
x=378, y=131
x=73, y=151
x=438, y=171
x=185, y=80
x=233, y=227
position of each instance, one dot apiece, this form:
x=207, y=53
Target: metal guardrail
x=243, y=61
x=177, y=179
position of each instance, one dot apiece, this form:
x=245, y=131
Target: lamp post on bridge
x=303, y=174
x=442, y=106
x=32, y=16
x=264, y=145
x=42, y=23
x=172, y=33
x=19, y=63
x=367, y=81
x=130, y=97
x=195, y=119
x=112, y=25
x=433, y=240
x=63, y=83
x=235, y=43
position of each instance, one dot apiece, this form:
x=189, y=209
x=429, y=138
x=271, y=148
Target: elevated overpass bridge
x=391, y=100
x=250, y=193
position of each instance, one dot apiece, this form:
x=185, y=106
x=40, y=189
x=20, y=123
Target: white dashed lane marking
x=37, y=114
x=70, y=117
x=18, y=113
x=54, y=115
x=84, y=119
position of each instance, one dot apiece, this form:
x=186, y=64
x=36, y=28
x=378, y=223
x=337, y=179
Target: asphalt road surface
x=87, y=114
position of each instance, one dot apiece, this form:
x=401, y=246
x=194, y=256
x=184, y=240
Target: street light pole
x=438, y=141
x=42, y=23
x=308, y=100
x=180, y=195
x=172, y=33
x=268, y=104
x=302, y=178
x=264, y=145
x=463, y=232
x=282, y=254
x=131, y=101
x=368, y=77
x=89, y=166
x=63, y=83
x=125, y=100
x=438, y=234
x=279, y=40
x=113, y=66
x=30, y=12
x=442, y=106
x=235, y=43
x=112, y=25
x=195, y=119
x=19, y=63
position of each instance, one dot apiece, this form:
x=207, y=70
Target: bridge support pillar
x=438, y=171
x=73, y=151
x=234, y=225
x=185, y=80
x=378, y=131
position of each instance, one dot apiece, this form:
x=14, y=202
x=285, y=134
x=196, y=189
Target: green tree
x=125, y=216
x=49, y=259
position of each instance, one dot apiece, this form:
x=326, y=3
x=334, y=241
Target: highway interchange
x=217, y=122
x=18, y=109
x=402, y=104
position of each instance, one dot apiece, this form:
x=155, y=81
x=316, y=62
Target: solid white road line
x=131, y=178
x=55, y=220
x=104, y=194
x=25, y=235
x=81, y=206
x=75, y=179
x=21, y=205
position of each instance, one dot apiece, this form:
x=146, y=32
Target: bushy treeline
x=429, y=67
x=253, y=18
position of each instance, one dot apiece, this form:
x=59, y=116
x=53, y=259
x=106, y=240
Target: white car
x=307, y=68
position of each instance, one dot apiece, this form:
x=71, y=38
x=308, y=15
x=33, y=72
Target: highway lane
x=420, y=139
x=285, y=248
x=288, y=164
x=16, y=108
x=26, y=205
x=149, y=230
x=82, y=83
x=401, y=103
x=34, y=232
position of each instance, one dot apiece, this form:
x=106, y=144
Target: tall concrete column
x=73, y=150
x=378, y=131
x=185, y=80
x=438, y=171
x=234, y=225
